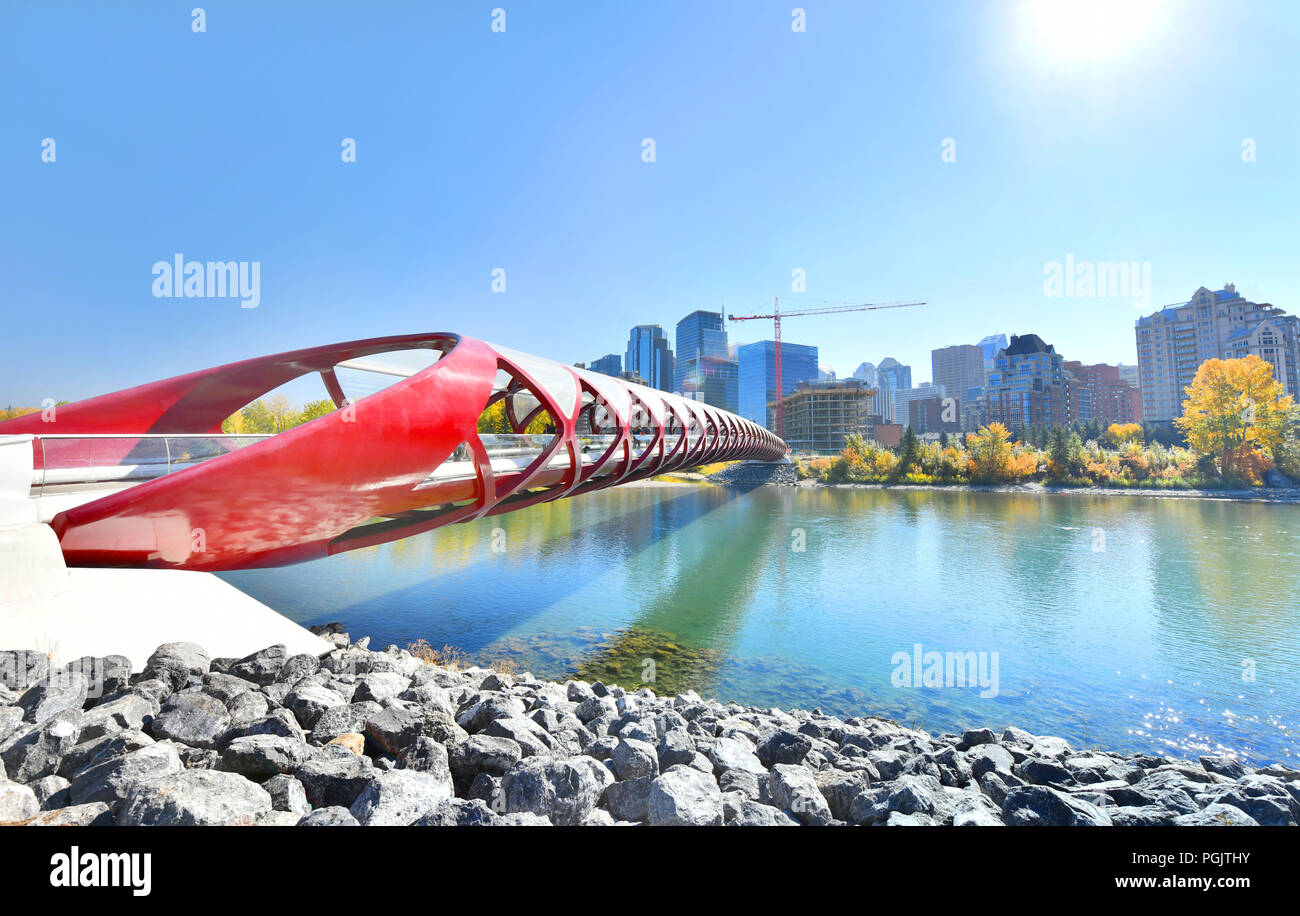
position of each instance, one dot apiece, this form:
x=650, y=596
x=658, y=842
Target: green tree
x=908, y=449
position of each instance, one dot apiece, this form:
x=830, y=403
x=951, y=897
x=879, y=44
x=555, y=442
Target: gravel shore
x=361, y=737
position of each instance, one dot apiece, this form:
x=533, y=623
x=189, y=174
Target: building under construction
x=820, y=415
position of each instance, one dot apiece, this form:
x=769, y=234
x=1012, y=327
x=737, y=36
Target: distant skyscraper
x=891, y=376
x=867, y=372
x=702, y=367
x=824, y=373
x=650, y=357
x=991, y=345
x=958, y=368
x=757, y=375
x=609, y=364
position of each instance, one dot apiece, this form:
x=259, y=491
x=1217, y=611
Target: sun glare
x=1089, y=29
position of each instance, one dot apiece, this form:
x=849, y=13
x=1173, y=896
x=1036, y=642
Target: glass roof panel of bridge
x=558, y=381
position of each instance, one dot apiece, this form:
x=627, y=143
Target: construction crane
x=776, y=316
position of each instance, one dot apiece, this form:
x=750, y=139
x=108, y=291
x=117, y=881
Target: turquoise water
x=1131, y=623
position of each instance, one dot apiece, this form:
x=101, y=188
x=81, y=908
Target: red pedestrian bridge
x=144, y=477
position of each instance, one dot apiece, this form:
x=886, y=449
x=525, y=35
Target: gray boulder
x=784, y=746
x=976, y=737
x=261, y=667
x=333, y=816
x=675, y=748
x=97, y=751
x=199, y=798
x=309, y=700
x=629, y=800
x=105, y=676
x=794, y=789
x=484, y=707
x=276, y=722
x=426, y=755
x=248, y=707
x=17, y=803
x=261, y=756
x=734, y=754
x=96, y=814
x=481, y=754
x=1043, y=806
x=177, y=662
x=839, y=788
x=111, y=780
x=20, y=669
x=563, y=791
x=683, y=796
x=459, y=812
x=750, y=813
x=1216, y=815
x=61, y=691
x=533, y=740
x=192, y=718
x=52, y=792
x=1224, y=766
x=39, y=752
x=379, y=686
x=399, y=798
x=335, y=777
x=990, y=758
x=128, y=711
x=633, y=759
x=342, y=720
x=287, y=794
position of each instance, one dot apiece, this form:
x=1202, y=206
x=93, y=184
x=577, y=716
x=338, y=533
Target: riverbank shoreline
x=361, y=737
x=1263, y=495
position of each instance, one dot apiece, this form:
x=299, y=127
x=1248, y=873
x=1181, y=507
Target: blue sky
x=1117, y=139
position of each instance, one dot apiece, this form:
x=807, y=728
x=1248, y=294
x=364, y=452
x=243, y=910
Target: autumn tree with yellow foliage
x=1236, y=414
x=1123, y=433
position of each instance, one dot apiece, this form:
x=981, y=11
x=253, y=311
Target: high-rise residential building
x=867, y=372
x=1027, y=385
x=819, y=416
x=991, y=345
x=1129, y=373
x=957, y=368
x=650, y=356
x=609, y=364
x=1103, y=394
x=1173, y=342
x=903, y=397
x=703, y=369
x=756, y=375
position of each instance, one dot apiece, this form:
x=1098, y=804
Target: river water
x=1128, y=623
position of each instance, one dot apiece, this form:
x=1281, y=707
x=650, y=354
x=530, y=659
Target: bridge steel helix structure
x=399, y=461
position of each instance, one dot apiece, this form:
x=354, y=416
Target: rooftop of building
x=1170, y=312
x=1026, y=344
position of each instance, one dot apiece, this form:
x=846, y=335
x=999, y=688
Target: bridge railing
x=86, y=461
